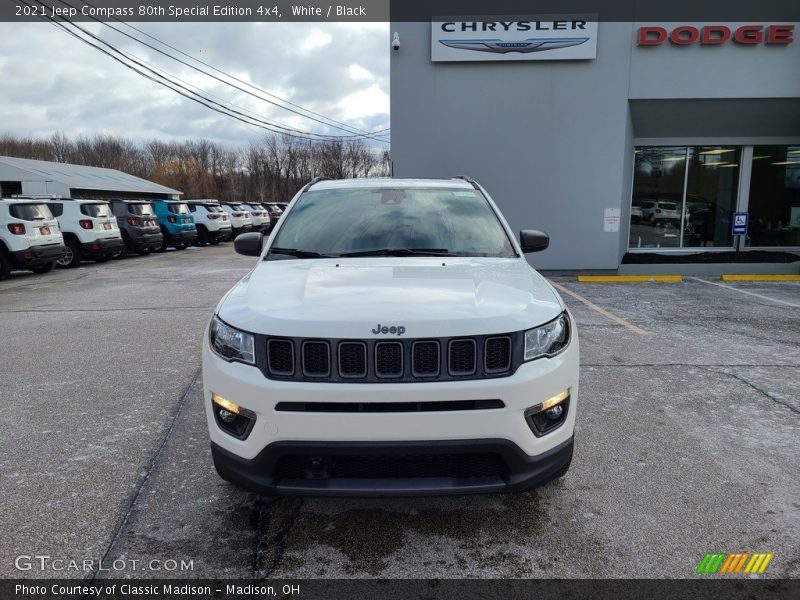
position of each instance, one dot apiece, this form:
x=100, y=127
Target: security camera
x=396, y=41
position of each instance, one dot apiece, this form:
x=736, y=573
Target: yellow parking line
x=722, y=285
x=602, y=311
x=760, y=277
x=629, y=278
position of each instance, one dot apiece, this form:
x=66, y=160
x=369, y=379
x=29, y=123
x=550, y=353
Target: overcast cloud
x=53, y=82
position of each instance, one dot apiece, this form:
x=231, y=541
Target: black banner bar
x=683, y=11
x=704, y=587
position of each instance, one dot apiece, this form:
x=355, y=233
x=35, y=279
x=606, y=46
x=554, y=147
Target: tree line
x=270, y=168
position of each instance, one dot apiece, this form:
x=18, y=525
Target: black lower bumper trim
x=219, y=234
x=37, y=255
x=265, y=474
x=103, y=247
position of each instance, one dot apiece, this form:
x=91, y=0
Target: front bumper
x=101, y=248
x=249, y=461
x=263, y=474
x=37, y=255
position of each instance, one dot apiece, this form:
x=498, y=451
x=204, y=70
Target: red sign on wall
x=714, y=35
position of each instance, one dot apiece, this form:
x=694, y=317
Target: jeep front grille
x=389, y=361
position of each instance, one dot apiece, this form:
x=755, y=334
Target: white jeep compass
x=391, y=340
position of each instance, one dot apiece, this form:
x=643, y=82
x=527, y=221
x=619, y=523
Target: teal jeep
x=176, y=223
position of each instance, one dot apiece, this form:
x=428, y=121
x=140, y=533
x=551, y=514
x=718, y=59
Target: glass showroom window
x=658, y=183
x=683, y=197
x=775, y=196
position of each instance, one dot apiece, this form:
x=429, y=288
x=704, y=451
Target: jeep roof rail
x=39, y=197
x=469, y=180
x=313, y=181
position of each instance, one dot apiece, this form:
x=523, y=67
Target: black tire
x=144, y=251
x=45, y=268
x=102, y=259
x=72, y=257
x=122, y=252
x=5, y=266
x=202, y=236
x=181, y=246
x=214, y=242
x=164, y=242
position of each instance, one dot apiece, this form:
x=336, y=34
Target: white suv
x=29, y=236
x=391, y=340
x=90, y=230
x=212, y=223
x=260, y=216
x=241, y=222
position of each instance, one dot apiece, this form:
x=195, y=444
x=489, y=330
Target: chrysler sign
x=529, y=39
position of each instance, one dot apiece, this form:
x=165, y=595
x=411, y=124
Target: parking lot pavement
x=94, y=362
x=687, y=442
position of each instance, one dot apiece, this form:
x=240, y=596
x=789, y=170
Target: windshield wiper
x=300, y=253
x=402, y=252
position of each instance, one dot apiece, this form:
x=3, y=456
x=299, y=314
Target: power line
x=340, y=126
x=169, y=83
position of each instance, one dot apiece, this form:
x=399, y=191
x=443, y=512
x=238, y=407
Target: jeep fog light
x=548, y=415
x=232, y=418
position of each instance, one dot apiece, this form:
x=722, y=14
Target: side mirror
x=249, y=244
x=532, y=240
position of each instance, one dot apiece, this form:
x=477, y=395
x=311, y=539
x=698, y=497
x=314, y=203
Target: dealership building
x=40, y=177
x=629, y=143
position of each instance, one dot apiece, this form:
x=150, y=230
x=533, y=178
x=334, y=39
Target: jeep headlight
x=547, y=340
x=231, y=343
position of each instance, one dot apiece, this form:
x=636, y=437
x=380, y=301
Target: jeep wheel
x=71, y=257
x=202, y=236
x=181, y=246
x=122, y=252
x=144, y=251
x=164, y=243
x=5, y=267
x=45, y=268
x=214, y=242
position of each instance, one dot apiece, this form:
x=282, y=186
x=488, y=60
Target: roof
x=391, y=182
x=86, y=178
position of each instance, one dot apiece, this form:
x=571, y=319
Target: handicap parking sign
x=739, y=224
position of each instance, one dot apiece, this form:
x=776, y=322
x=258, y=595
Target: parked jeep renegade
x=29, y=236
x=176, y=222
x=391, y=340
x=139, y=227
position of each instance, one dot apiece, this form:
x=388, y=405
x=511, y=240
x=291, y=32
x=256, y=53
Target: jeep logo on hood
x=394, y=329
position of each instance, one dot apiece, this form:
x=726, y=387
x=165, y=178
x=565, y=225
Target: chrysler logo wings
x=498, y=46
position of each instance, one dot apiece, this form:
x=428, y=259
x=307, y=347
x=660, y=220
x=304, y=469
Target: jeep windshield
x=391, y=222
x=30, y=212
x=143, y=210
x=178, y=209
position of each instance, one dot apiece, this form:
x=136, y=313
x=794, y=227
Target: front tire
x=202, y=236
x=164, y=242
x=45, y=268
x=144, y=251
x=72, y=256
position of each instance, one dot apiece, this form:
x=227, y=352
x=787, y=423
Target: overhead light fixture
x=718, y=151
x=719, y=163
x=672, y=158
x=786, y=162
x=793, y=152
x=728, y=165
x=761, y=157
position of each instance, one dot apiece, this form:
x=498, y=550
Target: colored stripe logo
x=739, y=562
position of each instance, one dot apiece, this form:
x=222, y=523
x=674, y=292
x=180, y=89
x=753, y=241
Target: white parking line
x=602, y=311
x=722, y=285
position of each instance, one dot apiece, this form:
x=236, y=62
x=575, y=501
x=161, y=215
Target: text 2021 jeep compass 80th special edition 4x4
x=392, y=340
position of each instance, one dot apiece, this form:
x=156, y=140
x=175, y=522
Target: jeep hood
x=430, y=297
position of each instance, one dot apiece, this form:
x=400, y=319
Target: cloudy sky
x=53, y=82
